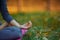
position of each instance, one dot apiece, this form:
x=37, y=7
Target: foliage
x=44, y=25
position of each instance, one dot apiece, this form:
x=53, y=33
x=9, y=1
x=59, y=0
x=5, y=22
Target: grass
x=44, y=25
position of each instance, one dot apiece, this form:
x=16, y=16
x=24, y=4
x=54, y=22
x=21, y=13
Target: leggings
x=9, y=33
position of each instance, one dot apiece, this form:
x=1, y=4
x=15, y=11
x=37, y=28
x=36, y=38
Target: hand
x=27, y=25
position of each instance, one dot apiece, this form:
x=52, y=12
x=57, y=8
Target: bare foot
x=27, y=25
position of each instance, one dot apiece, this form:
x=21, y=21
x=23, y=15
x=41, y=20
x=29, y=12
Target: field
x=45, y=25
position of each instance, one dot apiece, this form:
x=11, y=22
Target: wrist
x=15, y=23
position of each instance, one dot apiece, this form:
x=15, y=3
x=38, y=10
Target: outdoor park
x=44, y=14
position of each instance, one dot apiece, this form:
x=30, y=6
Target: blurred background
x=33, y=5
x=44, y=14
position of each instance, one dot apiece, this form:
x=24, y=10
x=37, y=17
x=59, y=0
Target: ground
x=44, y=25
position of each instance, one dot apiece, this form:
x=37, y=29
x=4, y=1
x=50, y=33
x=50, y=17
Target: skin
x=26, y=25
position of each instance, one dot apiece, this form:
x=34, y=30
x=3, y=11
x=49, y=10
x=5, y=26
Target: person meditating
x=14, y=31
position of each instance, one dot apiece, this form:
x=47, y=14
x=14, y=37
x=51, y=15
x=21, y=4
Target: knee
x=18, y=31
x=15, y=30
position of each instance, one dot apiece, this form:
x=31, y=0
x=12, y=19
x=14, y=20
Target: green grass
x=44, y=25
